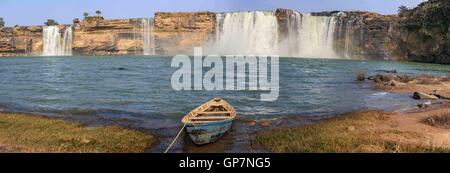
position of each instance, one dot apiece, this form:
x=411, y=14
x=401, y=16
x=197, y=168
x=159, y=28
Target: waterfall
x=254, y=32
x=348, y=37
x=312, y=36
x=51, y=39
x=53, y=45
x=147, y=34
x=67, y=42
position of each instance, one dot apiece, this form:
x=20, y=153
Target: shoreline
x=365, y=131
x=249, y=135
x=31, y=133
x=403, y=122
x=423, y=128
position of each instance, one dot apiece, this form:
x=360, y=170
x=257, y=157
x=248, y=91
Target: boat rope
x=178, y=135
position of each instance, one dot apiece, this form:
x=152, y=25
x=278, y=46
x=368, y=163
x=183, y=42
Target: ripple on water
x=139, y=88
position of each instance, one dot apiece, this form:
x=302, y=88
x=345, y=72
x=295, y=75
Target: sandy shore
x=419, y=129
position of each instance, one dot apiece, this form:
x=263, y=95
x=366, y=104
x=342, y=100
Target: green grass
x=338, y=135
x=31, y=133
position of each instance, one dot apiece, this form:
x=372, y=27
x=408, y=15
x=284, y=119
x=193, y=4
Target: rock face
x=20, y=40
x=97, y=36
x=178, y=33
x=423, y=33
x=419, y=34
x=283, y=16
x=364, y=35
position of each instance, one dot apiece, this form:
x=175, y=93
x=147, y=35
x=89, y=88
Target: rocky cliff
x=419, y=34
x=364, y=35
x=97, y=36
x=20, y=40
x=178, y=33
x=423, y=33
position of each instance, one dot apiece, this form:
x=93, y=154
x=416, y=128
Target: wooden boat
x=210, y=121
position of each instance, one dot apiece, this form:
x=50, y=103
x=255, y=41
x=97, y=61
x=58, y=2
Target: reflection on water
x=136, y=91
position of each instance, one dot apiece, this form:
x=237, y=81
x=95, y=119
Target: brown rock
x=395, y=83
x=264, y=123
x=421, y=95
x=185, y=21
x=251, y=123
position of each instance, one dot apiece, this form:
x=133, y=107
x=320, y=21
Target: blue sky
x=35, y=12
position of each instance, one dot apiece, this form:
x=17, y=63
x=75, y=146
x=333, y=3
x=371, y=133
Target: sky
x=35, y=12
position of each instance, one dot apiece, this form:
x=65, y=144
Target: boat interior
x=212, y=111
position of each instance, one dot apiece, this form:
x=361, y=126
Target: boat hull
x=206, y=133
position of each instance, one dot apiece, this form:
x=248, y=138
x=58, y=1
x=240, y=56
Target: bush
x=441, y=120
x=51, y=22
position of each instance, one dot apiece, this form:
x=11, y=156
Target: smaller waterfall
x=348, y=38
x=311, y=36
x=148, y=37
x=351, y=32
x=53, y=45
x=67, y=42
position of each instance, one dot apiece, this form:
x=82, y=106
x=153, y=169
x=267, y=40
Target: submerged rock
x=388, y=71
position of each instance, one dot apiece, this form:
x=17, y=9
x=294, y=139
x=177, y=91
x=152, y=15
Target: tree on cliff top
x=2, y=23
x=429, y=17
x=86, y=14
x=51, y=22
x=403, y=10
x=98, y=12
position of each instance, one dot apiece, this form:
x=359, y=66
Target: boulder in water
x=361, y=76
x=383, y=78
x=421, y=95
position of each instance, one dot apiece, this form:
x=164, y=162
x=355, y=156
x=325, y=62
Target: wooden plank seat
x=218, y=112
x=210, y=118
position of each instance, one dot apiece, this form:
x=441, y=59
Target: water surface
x=136, y=91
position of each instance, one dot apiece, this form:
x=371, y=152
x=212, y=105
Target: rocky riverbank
x=420, y=129
x=421, y=87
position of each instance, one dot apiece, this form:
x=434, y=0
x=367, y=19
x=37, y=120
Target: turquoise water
x=137, y=90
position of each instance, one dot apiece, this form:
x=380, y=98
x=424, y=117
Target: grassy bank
x=355, y=132
x=31, y=133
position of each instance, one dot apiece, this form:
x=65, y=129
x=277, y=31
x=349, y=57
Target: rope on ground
x=178, y=135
